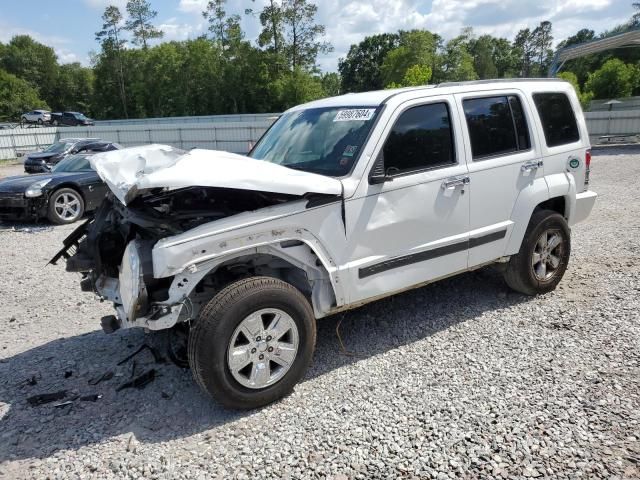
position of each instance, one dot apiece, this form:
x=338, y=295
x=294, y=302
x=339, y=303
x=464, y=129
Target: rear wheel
x=543, y=257
x=252, y=342
x=65, y=206
x=55, y=123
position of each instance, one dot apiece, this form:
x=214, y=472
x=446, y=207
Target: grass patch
x=8, y=161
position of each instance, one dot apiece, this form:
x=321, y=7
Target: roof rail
x=498, y=80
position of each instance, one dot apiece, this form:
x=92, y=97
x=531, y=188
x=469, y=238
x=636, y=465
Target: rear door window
x=557, y=117
x=497, y=126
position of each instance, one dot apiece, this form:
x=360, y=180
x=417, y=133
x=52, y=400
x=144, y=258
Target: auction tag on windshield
x=354, y=114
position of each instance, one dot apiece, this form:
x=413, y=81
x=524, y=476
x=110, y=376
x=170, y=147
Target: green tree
x=417, y=47
x=139, y=22
x=542, y=41
x=110, y=38
x=303, y=34
x=17, y=96
x=360, y=70
x=586, y=97
x=73, y=88
x=614, y=79
x=415, y=76
x=331, y=84
x=457, y=62
x=482, y=51
x=524, y=45
x=224, y=28
x=33, y=62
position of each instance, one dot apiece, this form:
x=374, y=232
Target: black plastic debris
x=90, y=398
x=139, y=382
x=156, y=355
x=43, y=398
x=103, y=378
x=68, y=374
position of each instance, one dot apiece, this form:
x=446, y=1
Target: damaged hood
x=131, y=170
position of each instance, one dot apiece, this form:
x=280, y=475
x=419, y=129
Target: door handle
x=454, y=182
x=532, y=165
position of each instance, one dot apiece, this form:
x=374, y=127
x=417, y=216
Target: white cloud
x=61, y=45
x=176, y=30
x=102, y=4
x=192, y=6
x=349, y=23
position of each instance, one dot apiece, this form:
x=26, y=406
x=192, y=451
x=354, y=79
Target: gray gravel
x=459, y=379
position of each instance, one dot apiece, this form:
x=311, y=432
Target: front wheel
x=252, y=342
x=65, y=206
x=543, y=257
x=55, y=123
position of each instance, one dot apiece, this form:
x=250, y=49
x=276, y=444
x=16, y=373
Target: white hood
x=130, y=170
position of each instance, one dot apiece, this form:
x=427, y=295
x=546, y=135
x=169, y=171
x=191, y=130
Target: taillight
x=587, y=164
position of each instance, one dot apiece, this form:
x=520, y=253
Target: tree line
x=221, y=72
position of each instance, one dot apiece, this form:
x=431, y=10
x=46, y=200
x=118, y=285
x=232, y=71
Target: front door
x=413, y=227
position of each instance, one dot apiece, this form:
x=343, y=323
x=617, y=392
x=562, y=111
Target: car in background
x=72, y=119
x=62, y=195
x=36, y=116
x=41, y=162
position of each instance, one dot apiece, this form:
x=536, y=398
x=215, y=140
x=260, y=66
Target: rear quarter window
x=557, y=117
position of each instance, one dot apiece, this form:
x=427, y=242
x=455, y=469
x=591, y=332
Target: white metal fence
x=234, y=137
x=622, y=123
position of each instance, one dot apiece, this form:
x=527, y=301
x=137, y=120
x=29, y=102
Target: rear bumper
x=584, y=205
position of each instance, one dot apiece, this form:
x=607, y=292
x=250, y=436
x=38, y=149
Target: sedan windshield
x=317, y=140
x=73, y=163
x=57, y=147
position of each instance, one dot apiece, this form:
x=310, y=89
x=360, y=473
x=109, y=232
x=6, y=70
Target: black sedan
x=62, y=195
x=42, y=162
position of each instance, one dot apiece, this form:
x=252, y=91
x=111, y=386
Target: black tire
x=176, y=344
x=520, y=274
x=212, y=332
x=40, y=121
x=54, y=215
x=54, y=123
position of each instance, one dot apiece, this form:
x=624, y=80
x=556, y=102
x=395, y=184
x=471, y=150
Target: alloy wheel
x=263, y=348
x=67, y=206
x=547, y=254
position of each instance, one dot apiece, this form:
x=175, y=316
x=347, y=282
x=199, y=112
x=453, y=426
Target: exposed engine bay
x=156, y=214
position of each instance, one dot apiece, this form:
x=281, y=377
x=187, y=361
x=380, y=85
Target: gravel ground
x=462, y=378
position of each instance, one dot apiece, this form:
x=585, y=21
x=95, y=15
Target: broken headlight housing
x=133, y=291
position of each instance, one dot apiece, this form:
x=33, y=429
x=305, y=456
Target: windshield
x=57, y=147
x=317, y=140
x=73, y=163
x=79, y=116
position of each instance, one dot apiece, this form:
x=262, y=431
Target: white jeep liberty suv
x=343, y=201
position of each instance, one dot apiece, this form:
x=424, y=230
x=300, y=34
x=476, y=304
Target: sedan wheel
x=65, y=206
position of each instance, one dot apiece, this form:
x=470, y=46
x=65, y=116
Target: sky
x=69, y=26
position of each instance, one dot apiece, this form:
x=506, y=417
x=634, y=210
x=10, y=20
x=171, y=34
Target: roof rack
x=498, y=80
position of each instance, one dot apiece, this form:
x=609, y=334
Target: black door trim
x=404, y=260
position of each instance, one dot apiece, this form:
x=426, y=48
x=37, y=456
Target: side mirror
x=378, y=173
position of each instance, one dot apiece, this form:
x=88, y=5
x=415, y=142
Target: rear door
x=414, y=227
x=503, y=159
